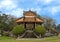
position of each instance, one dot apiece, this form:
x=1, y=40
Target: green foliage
x=58, y=28
x=5, y=34
x=49, y=22
x=7, y=22
x=17, y=30
x=40, y=29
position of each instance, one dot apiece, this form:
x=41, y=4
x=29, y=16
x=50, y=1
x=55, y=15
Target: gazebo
x=29, y=21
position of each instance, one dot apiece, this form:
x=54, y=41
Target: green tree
x=49, y=23
x=40, y=30
x=3, y=24
x=58, y=28
x=11, y=22
x=18, y=30
x=7, y=22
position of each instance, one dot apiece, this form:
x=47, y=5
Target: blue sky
x=50, y=8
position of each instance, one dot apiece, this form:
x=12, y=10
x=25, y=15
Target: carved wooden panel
x=29, y=26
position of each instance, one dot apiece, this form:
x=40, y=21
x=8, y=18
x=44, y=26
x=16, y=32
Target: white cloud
x=17, y=12
x=7, y=4
x=52, y=10
x=55, y=10
x=38, y=9
x=11, y=8
x=45, y=1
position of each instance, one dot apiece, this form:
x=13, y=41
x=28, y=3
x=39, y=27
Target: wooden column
x=25, y=25
x=34, y=25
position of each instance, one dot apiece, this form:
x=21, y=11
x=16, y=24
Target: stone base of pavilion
x=29, y=34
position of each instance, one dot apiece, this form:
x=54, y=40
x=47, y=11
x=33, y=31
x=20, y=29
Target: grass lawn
x=47, y=39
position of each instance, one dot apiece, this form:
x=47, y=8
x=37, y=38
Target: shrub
x=18, y=30
x=5, y=34
x=40, y=29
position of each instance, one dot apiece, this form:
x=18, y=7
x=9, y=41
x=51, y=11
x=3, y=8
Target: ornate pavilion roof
x=29, y=16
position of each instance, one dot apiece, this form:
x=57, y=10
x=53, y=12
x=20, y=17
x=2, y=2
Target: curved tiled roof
x=29, y=16
x=29, y=20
